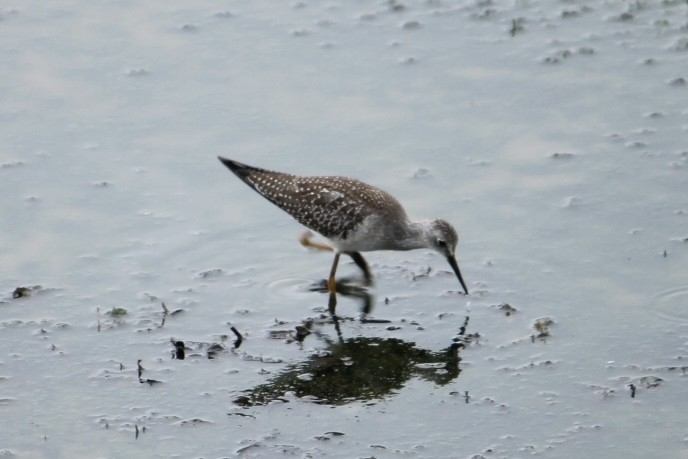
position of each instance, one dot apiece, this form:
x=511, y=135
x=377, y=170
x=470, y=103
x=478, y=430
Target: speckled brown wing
x=332, y=206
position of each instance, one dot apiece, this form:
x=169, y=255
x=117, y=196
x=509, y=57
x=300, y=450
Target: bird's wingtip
x=232, y=165
x=240, y=169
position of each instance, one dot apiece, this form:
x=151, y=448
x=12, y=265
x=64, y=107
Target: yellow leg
x=331, y=282
x=305, y=240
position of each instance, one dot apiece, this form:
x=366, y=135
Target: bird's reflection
x=346, y=288
x=360, y=369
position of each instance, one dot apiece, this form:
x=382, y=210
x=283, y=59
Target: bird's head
x=443, y=239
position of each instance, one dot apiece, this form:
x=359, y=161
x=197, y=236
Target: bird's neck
x=416, y=235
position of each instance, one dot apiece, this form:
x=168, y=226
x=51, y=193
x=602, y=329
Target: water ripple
x=673, y=304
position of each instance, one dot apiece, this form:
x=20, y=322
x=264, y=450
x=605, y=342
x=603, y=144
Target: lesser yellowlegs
x=354, y=216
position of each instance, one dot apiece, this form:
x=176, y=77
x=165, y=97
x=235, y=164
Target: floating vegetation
x=117, y=312
x=113, y=318
x=542, y=327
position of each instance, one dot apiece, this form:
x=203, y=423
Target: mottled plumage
x=354, y=216
x=331, y=206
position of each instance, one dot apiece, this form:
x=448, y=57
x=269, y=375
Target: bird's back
x=332, y=206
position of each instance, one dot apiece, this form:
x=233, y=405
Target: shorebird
x=354, y=216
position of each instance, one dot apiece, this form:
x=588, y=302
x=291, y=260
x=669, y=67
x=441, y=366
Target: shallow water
x=551, y=134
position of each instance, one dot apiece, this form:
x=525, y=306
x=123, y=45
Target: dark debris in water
x=302, y=331
x=328, y=436
x=650, y=382
x=11, y=164
x=142, y=380
x=560, y=55
x=138, y=431
x=506, y=308
x=558, y=155
x=644, y=382
x=281, y=334
x=517, y=26
x=194, y=422
x=239, y=338
x=166, y=312
x=210, y=273
x=23, y=292
x=237, y=413
x=207, y=349
x=179, y=350
x=214, y=349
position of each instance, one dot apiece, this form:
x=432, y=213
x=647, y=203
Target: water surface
x=550, y=134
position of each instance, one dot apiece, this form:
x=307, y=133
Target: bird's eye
x=441, y=243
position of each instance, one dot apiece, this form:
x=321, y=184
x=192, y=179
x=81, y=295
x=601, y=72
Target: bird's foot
x=305, y=240
x=344, y=285
x=332, y=285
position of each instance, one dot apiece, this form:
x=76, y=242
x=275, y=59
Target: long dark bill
x=455, y=267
